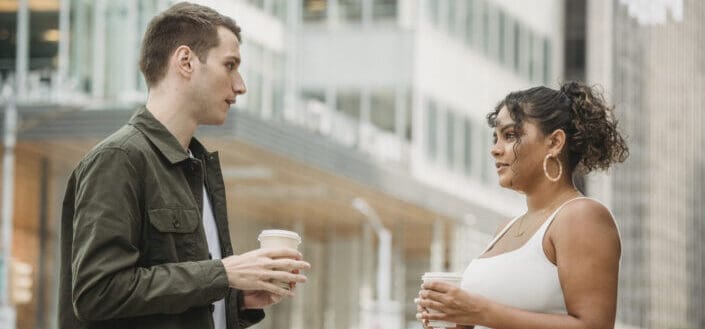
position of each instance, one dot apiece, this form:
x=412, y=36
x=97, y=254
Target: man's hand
x=260, y=299
x=260, y=269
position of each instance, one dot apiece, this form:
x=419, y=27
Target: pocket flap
x=174, y=220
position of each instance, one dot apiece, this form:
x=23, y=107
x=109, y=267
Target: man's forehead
x=228, y=40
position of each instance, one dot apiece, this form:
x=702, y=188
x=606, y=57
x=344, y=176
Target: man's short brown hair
x=184, y=24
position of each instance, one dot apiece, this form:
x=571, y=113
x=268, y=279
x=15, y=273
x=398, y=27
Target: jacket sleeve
x=107, y=283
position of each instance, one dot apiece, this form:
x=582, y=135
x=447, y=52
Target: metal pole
x=64, y=44
x=384, y=252
x=22, y=59
x=7, y=313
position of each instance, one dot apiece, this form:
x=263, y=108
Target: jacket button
x=176, y=223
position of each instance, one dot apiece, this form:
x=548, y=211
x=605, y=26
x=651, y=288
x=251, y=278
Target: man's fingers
x=274, y=289
x=289, y=265
x=281, y=253
x=286, y=276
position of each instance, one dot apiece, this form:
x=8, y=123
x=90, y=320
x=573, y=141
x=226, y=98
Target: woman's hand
x=420, y=311
x=451, y=303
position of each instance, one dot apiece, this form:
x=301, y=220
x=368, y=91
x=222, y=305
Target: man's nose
x=239, y=86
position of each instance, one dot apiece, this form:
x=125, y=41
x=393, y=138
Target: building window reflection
x=350, y=10
x=314, y=10
x=382, y=109
x=431, y=131
x=450, y=138
x=467, y=146
x=384, y=9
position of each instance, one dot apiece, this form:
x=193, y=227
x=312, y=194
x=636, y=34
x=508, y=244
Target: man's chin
x=214, y=121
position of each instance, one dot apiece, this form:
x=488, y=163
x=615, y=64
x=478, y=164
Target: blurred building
x=375, y=100
x=651, y=60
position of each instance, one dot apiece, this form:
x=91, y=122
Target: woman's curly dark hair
x=592, y=139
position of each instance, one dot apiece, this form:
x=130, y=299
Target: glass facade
x=496, y=34
x=657, y=86
x=349, y=11
x=459, y=143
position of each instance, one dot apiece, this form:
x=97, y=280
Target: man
x=144, y=223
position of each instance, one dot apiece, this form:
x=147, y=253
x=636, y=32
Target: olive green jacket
x=133, y=248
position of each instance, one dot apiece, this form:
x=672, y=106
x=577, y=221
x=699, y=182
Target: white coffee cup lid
x=279, y=233
x=442, y=275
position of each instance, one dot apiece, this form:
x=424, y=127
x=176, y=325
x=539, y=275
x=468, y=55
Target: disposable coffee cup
x=447, y=277
x=279, y=239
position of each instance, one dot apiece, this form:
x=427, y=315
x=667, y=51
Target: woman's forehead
x=503, y=118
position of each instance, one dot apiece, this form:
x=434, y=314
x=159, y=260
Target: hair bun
x=595, y=138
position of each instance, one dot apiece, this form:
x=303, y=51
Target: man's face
x=217, y=82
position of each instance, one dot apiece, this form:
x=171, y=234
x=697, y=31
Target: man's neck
x=171, y=112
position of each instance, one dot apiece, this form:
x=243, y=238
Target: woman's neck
x=550, y=197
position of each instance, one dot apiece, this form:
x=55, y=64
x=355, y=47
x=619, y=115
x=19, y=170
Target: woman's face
x=519, y=164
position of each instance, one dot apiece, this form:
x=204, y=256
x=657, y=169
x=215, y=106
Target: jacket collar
x=165, y=142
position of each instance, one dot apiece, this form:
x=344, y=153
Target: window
x=450, y=138
x=350, y=10
x=502, y=37
x=467, y=143
x=485, y=9
x=546, y=60
x=532, y=56
x=408, y=129
x=278, y=86
x=517, y=47
x=450, y=15
x=257, y=3
x=469, y=22
x=433, y=12
x=382, y=109
x=314, y=95
x=280, y=9
x=252, y=74
x=314, y=10
x=431, y=130
x=487, y=163
x=384, y=9
x=348, y=102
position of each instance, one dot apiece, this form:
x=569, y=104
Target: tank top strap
x=501, y=234
x=542, y=230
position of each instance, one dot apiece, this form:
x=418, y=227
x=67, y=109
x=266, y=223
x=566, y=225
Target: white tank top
x=523, y=278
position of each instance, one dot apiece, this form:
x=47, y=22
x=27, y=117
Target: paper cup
x=448, y=277
x=279, y=239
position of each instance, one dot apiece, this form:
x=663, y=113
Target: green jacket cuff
x=215, y=280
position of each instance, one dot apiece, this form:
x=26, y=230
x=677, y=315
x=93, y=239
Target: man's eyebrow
x=234, y=58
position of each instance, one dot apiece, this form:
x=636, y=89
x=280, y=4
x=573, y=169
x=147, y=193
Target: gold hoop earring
x=545, y=168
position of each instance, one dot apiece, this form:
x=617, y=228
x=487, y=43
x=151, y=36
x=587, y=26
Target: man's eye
x=230, y=66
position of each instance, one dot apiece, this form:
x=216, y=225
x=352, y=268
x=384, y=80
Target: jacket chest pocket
x=173, y=235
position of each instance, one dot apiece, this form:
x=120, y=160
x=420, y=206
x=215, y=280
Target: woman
x=556, y=266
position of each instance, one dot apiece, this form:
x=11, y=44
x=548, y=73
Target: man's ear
x=182, y=61
x=555, y=142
